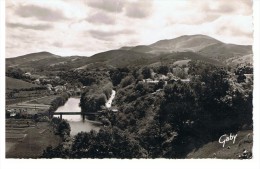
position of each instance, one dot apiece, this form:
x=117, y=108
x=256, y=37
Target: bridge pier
x=61, y=116
x=83, y=116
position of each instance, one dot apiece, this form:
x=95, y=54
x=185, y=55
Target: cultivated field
x=44, y=100
x=12, y=83
x=26, y=139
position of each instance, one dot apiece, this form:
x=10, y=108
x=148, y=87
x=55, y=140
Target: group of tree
x=61, y=126
x=107, y=143
x=199, y=111
x=85, y=77
x=94, y=97
x=59, y=101
x=14, y=72
x=240, y=71
x=92, y=102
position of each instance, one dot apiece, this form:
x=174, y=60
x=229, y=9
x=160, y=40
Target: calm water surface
x=76, y=122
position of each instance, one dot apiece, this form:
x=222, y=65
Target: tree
x=151, y=139
x=127, y=81
x=164, y=69
x=118, y=74
x=160, y=84
x=87, y=80
x=146, y=72
x=178, y=105
x=107, y=90
x=14, y=72
x=64, y=128
x=92, y=103
x=107, y=143
x=57, y=152
x=241, y=78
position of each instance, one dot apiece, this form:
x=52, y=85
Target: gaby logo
x=226, y=138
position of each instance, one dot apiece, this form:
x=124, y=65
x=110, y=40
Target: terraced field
x=26, y=139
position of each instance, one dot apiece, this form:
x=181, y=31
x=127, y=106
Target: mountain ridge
x=203, y=45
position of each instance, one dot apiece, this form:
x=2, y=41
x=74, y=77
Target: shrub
x=127, y=81
x=146, y=72
x=58, y=101
x=92, y=103
x=64, y=128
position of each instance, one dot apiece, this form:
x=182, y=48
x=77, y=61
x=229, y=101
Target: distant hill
x=222, y=51
x=126, y=48
x=192, y=56
x=184, y=43
x=192, y=43
x=142, y=49
x=187, y=47
x=201, y=44
x=30, y=58
x=121, y=58
x=40, y=60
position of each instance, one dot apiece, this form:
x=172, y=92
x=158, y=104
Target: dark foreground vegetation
x=165, y=120
x=61, y=126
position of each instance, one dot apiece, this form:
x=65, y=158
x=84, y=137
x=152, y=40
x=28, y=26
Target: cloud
x=58, y=44
x=140, y=9
x=65, y=27
x=33, y=27
x=101, y=18
x=40, y=13
x=223, y=7
x=200, y=12
x=234, y=31
x=108, y=35
x=239, y=26
x=107, y=5
x=219, y=7
x=189, y=20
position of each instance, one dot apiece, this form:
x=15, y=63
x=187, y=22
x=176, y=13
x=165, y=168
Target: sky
x=86, y=27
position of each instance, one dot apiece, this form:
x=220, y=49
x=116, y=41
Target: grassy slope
x=186, y=42
x=12, y=83
x=173, y=57
x=208, y=150
x=44, y=100
x=120, y=58
x=223, y=52
x=240, y=60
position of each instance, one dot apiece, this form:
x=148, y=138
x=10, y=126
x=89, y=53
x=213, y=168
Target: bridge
x=77, y=113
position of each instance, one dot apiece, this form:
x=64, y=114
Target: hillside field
x=12, y=83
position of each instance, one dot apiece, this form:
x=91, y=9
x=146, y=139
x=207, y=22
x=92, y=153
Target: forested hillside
x=169, y=118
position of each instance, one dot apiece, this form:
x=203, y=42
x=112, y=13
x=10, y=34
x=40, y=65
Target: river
x=77, y=124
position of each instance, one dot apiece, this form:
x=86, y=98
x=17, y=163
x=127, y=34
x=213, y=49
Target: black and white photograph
x=129, y=79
